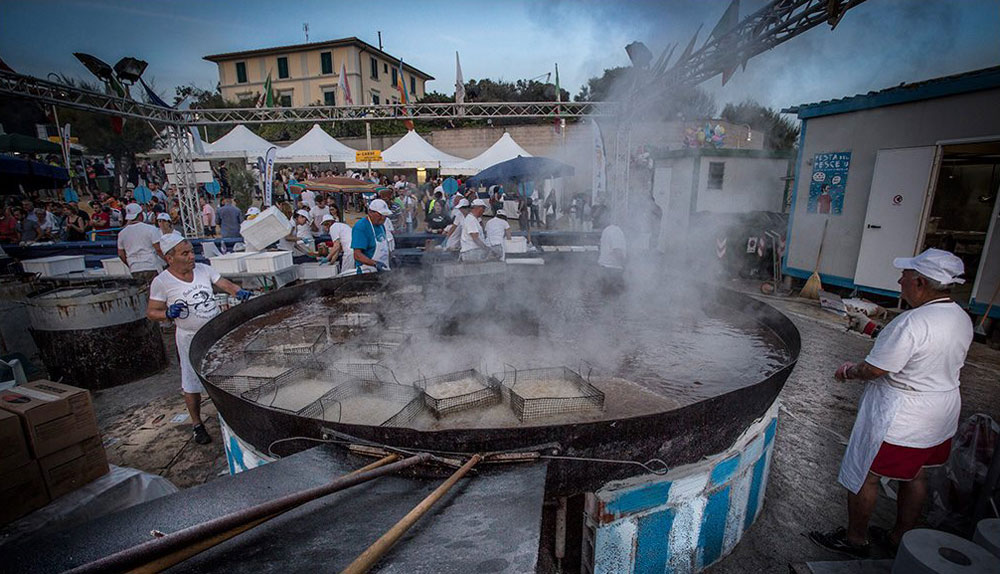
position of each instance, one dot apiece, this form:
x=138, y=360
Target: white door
x=895, y=209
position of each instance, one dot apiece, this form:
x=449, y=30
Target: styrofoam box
x=55, y=265
x=516, y=245
x=115, y=266
x=263, y=230
x=268, y=261
x=316, y=271
x=230, y=262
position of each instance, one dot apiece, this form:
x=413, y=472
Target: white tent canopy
x=240, y=142
x=409, y=152
x=504, y=149
x=316, y=146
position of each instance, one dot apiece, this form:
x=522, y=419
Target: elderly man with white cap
x=336, y=251
x=454, y=231
x=369, y=240
x=497, y=231
x=473, y=245
x=910, y=407
x=183, y=293
x=137, y=245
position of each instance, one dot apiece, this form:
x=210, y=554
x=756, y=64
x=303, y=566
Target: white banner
x=65, y=148
x=269, y=175
x=600, y=183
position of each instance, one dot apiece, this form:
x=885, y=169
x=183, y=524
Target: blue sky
x=879, y=44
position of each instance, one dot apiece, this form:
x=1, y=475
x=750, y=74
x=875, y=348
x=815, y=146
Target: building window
x=241, y=72
x=413, y=85
x=285, y=99
x=330, y=98
x=395, y=78
x=282, y=68
x=385, y=68
x=376, y=100
x=716, y=171
x=374, y=69
x=326, y=62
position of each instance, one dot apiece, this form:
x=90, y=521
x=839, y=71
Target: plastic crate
x=230, y=262
x=269, y=226
x=310, y=271
x=55, y=265
x=268, y=261
x=515, y=245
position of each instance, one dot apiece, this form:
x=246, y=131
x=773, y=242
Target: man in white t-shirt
x=308, y=198
x=497, y=231
x=317, y=213
x=613, y=251
x=454, y=231
x=473, y=241
x=910, y=408
x=183, y=293
x=137, y=245
x=338, y=248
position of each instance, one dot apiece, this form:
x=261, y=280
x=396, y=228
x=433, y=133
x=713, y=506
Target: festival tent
x=409, y=152
x=504, y=149
x=240, y=142
x=316, y=146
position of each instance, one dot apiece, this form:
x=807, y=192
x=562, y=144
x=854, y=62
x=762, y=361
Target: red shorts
x=903, y=462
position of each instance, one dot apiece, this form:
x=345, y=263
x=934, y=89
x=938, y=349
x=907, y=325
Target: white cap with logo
x=303, y=213
x=163, y=217
x=941, y=266
x=132, y=211
x=479, y=203
x=169, y=241
x=327, y=218
x=379, y=206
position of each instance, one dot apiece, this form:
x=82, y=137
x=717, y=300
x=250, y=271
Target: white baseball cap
x=462, y=203
x=303, y=213
x=479, y=203
x=941, y=266
x=132, y=211
x=379, y=206
x=253, y=211
x=169, y=241
x=163, y=217
x=328, y=217
x=501, y=213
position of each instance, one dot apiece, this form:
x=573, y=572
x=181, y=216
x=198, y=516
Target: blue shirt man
x=364, y=236
x=229, y=217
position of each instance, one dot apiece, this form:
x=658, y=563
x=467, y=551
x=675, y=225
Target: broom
x=980, y=330
x=814, y=284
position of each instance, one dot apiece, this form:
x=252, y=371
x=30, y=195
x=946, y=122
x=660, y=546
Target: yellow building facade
x=309, y=74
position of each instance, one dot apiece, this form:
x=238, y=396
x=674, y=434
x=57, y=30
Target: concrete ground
x=137, y=422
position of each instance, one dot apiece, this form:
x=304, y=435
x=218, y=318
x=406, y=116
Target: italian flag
x=401, y=85
x=266, y=99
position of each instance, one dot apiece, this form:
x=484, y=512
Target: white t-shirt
x=137, y=240
x=612, y=238
x=317, y=214
x=469, y=226
x=309, y=198
x=496, y=231
x=454, y=240
x=342, y=231
x=197, y=294
x=923, y=350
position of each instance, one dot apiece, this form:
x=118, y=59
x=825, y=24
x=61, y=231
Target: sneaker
x=201, y=435
x=837, y=542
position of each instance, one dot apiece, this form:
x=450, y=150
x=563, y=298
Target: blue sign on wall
x=829, y=180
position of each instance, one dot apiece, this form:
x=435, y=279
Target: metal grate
x=275, y=390
x=379, y=345
x=442, y=400
x=237, y=376
x=343, y=326
x=330, y=406
x=294, y=344
x=527, y=407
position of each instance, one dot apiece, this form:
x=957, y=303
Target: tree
x=616, y=84
x=780, y=133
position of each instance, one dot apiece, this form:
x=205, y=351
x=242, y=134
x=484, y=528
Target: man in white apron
x=369, y=240
x=910, y=407
x=183, y=293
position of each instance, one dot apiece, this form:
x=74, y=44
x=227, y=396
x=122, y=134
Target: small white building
x=891, y=173
x=692, y=180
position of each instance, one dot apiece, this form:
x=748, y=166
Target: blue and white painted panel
x=688, y=519
x=239, y=454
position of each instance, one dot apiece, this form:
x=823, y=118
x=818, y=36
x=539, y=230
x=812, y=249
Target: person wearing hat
x=165, y=224
x=183, y=293
x=910, y=407
x=473, y=244
x=251, y=213
x=300, y=238
x=137, y=245
x=497, y=231
x=454, y=231
x=336, y=251
x=317, y=212
x=369, y=241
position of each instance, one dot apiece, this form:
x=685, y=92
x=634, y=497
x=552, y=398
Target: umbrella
x=336, y=185
x=521, y=169
x=27, y=144
x=15, y=172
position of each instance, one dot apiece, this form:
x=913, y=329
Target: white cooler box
x=115, y=267
x=55, y=265
x=309, y=271
x=516, y=245
x=230, y=263
x=263, y=230
x=268, y=261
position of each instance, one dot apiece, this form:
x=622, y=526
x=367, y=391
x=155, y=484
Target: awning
x=412, y=151
x=504, y=149
x=316, y=146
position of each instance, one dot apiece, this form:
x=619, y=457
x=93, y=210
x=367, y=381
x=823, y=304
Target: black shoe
x=837, y=542
x=201, y=435
x=883, y=538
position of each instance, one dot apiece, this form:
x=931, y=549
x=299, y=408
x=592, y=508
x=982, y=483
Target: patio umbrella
x=521, y=169
x=336, y=185
x=27, y=144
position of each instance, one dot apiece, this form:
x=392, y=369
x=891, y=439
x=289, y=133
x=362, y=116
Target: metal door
x=896, y=203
